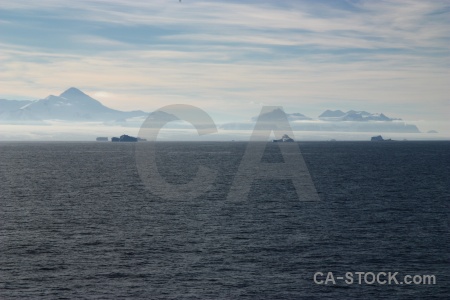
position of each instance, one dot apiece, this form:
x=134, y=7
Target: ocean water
x=76, y=222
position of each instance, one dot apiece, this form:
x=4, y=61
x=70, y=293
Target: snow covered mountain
x=357, y=121
x=75, y=106
x=72, y=105
x=332, y=114
x=8, y=105
x=352, y=115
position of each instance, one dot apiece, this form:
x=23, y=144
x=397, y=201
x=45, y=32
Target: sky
x=231, y=57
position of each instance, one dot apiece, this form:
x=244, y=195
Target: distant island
x=122, y=138
x=127, y=138
x=284, y=139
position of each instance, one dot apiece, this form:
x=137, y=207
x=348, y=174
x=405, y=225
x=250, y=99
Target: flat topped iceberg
x=379, y=138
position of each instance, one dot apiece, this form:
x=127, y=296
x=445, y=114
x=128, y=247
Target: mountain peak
x=71, y=105
x=332, y=114
x=72, y=92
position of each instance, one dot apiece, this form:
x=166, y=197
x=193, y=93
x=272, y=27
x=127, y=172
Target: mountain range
x=352, y=115
x=329, y=120
x=75, y=106
x=71, y=105
x=328, y=115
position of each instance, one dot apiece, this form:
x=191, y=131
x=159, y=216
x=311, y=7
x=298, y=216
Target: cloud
x=225, y=55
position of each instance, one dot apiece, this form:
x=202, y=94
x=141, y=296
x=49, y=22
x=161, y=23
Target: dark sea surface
x=76, y=222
